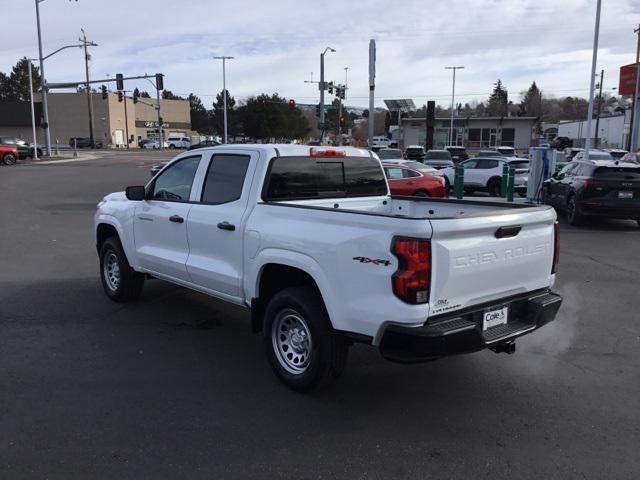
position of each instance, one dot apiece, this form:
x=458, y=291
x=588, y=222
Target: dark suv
x=84, y=142
x=414, y=152
x=24, y=149
x=603, y=188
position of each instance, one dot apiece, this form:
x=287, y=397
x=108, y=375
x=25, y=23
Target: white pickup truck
x=311, y=241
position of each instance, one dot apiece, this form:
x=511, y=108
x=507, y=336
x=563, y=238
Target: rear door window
x=225, y=179
x=306, y=178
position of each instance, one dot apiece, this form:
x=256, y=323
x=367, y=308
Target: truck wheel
x=421, y=193
x=573, y=215
x=301, y=347
x=9, y=159
x=171, y=146
x=121, y=283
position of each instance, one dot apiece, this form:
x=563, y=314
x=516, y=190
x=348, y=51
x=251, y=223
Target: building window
x=508, y=137
x=474, y=138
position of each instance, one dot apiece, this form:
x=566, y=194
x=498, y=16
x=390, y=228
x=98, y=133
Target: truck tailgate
x=486, y=257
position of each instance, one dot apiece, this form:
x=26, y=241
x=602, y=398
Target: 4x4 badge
x=375, y=261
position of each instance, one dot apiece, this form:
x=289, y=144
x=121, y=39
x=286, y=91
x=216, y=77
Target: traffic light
x=292, y=104
x=330, y=89
x=317, y=110
x=119, y=81
x=342, y=92
x=120, y=96
x=159, y=81
x=103, y=89
x=343, y=120
x=136, y=94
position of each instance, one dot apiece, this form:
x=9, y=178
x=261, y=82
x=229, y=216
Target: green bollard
x=505, y=178
x=510, y=183
x=458, y=182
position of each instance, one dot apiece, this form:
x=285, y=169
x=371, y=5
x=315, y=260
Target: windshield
x=418, y=166
x=438, y=155
x=599, y=156
x=389, y=153
x=456, y=151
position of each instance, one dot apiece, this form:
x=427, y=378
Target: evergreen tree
x=531, y=102
x=199, y=115
x=16, y=85
x=217, y=115
x=498, y=101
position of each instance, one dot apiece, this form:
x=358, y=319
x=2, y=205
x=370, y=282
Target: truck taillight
x=556, y=248
x=412, y=280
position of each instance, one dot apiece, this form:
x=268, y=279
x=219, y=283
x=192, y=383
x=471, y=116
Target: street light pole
x=596, y=32
x=453, y=96
x=45, y=108
x=224, y=92
x=632, y=142
x=33, y=115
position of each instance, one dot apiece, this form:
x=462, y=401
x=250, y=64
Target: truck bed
x=416, y=207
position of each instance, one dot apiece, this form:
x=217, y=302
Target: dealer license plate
x=625, y=194
x=493, y=318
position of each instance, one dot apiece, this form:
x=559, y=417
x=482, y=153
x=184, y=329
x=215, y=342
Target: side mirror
x=136, y=193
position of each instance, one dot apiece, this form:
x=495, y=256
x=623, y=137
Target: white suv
x=179, y=142
x=486, y=174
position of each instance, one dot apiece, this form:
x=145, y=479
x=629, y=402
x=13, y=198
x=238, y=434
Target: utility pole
x=33, y=115
x=45, y=108
x=224, y=92
x=453, y=96
x=632, y=139
x=87, y=57
x=599, y=108
x=161, y=140
x=372, y=88
x=594, y=60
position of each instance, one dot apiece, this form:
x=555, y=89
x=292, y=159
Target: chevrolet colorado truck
x=310, y=240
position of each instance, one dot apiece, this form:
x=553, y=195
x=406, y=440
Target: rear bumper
x=610, y=208
x=461, y=332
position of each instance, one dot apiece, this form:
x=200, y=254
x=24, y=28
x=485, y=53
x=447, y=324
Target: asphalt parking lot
x=175, y=386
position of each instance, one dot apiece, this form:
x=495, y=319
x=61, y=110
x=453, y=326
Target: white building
x=611, y=131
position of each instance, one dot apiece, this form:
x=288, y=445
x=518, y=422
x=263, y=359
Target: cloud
x=277, y=44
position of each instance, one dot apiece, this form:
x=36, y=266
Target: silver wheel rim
x=111, y=271
x=291, y=340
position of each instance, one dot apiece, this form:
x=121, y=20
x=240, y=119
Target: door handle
x=176, y=219
x=504, y=232
x=226, y=226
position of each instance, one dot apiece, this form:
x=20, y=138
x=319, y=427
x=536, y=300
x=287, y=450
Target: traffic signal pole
x=321, y=86
x=126, y=121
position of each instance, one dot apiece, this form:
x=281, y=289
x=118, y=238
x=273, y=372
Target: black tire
x=421, y=193
x=573, y=215
x=296, y=317
x=129, y=283
x=494, y=187
x=9, y=158
x=447, y=185
x=171, y=146
x=546, y=198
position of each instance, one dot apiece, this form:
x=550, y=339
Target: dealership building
x=473, y=133
x=114, y=121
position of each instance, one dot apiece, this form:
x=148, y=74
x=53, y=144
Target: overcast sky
x=277, y=44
